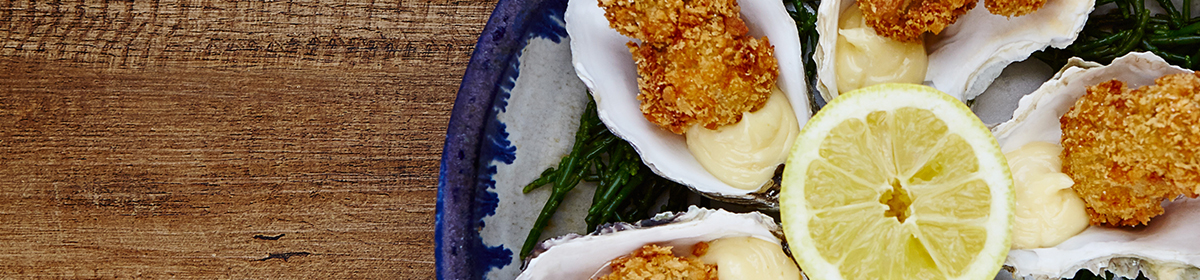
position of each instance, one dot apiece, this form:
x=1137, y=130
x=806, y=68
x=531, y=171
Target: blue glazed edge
x=463, y=197
x=496, y=147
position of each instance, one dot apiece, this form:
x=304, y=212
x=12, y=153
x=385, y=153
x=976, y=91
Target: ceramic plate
x=515, y=116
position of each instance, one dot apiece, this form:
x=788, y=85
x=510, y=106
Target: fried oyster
x=1013, y=8
x=1128, y=150
x=908, y=20
x=653, y=262
x=696, y=64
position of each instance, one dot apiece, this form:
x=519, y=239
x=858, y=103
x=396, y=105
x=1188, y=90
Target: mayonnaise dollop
x=1048, y=211
x=745, y=155
x=864, y=58
x=749, y=258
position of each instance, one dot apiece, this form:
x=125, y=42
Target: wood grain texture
x=159, y=138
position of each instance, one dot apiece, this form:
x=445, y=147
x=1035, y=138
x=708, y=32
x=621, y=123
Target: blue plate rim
x=455, y=233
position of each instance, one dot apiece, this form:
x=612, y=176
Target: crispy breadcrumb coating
x=908, y=20
x=654, y=262
x=1013, y=8
x=696, y=65
x=1127, y=150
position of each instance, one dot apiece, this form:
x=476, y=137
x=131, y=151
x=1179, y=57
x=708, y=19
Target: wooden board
x=225, y=139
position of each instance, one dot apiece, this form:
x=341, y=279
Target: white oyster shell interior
x=1165, y=249
x=968, y=55
x=605, y=65
x=580, y=257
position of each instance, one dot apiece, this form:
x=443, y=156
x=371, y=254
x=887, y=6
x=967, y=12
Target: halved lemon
x=897, y=181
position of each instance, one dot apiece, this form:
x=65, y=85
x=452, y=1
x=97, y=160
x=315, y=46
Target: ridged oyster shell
x=576, y=256
x=605, y=65
x=1165, y=249
x=968, y=55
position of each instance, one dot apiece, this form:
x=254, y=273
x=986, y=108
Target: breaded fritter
x=658, y=263
x=1013, y=8
x=696, y=65
x=908, y=20
x=1128, y=150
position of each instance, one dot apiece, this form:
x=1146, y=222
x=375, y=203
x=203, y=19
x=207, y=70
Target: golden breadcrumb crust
x=908, y=20
x=696, y=65
x=657, y=263
x=1013, y=8
x=1128, y=150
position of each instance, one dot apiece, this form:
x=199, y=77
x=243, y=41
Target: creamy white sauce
x=1048, y=211
x=864, y=58
x=745, y=155
x=749, y=258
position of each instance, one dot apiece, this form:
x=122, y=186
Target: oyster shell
x=1165, y=249
x=968, y=55
x=605, y=65
x=576, y=256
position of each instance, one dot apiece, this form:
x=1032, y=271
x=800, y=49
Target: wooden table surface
x=226, y=139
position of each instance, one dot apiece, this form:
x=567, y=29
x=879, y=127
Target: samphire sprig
x=804, y=13
x=1129, y=26
x=627, y=189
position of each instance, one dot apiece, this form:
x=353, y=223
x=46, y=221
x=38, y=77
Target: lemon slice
x=897, y=181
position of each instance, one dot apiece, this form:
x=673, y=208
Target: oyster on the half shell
x=576, y=256
x=968, y=55
x=605, y=65
x=1167, y=248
